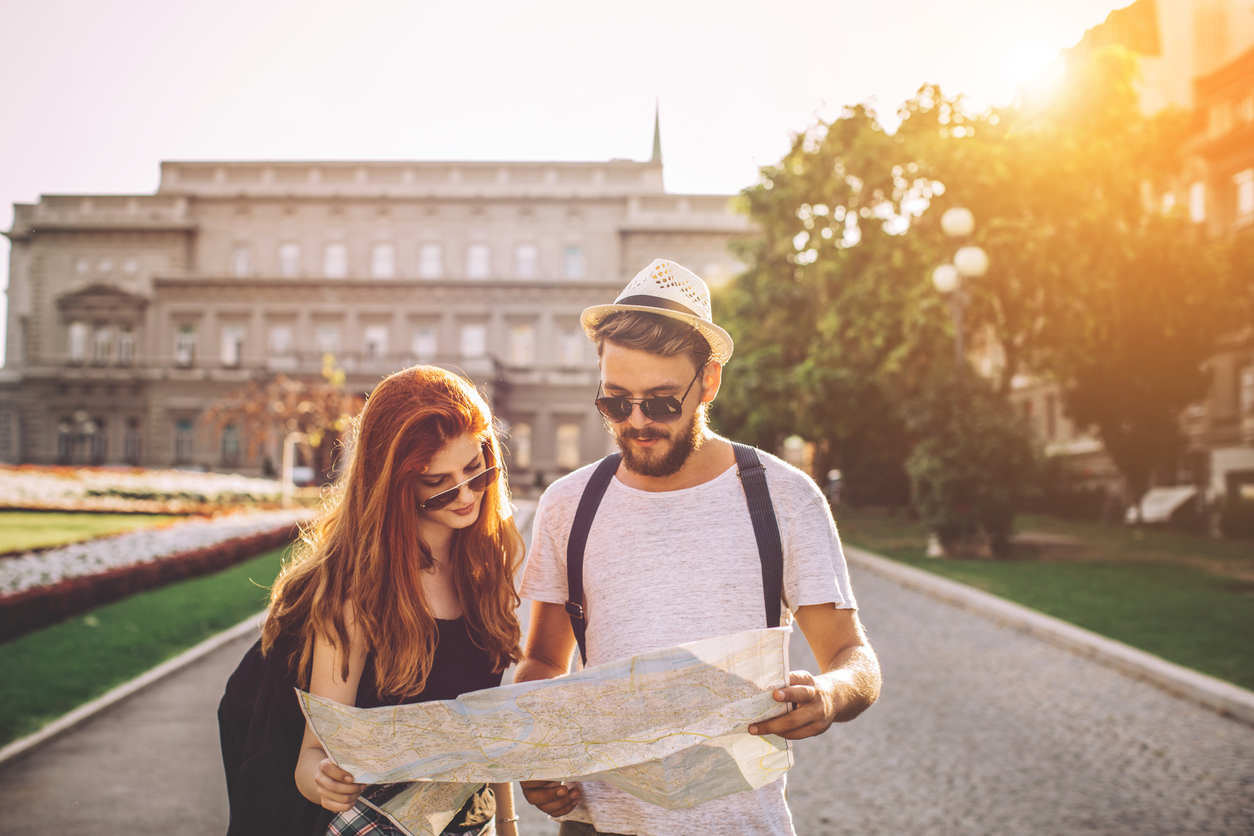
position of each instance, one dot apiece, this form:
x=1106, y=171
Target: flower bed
x=40, y=588
x=130, y=490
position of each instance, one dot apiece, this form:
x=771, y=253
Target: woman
x=403, y=591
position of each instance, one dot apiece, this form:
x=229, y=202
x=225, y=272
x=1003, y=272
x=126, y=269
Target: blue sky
x=97, y=94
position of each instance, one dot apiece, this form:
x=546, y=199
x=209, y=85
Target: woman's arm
x=317, y=776
x=506, y=817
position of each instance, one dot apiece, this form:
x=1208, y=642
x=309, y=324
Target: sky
x=97, y=94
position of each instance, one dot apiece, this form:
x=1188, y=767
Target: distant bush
x=1236, y=518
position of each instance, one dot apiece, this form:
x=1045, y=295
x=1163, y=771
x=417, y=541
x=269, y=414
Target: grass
x=24, y=530
x=1187, y=599
x=54, y=670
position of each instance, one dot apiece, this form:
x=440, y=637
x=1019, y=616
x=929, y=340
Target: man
x=672, y=557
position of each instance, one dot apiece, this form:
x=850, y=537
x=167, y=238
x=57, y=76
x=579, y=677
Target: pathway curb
x=126, y=689
x=1222, y=697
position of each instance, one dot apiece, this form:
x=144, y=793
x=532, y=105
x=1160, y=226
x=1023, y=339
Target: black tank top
x=459, y=667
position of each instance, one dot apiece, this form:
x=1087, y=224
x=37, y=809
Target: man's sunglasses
x=477, y=483
x=662, y=410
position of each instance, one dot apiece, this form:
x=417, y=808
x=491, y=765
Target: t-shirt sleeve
x=544, y=576
x=814, y=563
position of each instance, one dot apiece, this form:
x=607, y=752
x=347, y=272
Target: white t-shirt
x=664, y=568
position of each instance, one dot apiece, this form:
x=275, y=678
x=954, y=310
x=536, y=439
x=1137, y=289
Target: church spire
x=657, y=135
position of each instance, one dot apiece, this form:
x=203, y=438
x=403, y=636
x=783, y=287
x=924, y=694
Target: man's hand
x=553, y=797
x=814, y=708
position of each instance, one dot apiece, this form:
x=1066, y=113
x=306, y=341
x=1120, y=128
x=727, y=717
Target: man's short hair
x=653, y=333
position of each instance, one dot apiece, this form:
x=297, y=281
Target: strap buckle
x=574, y=610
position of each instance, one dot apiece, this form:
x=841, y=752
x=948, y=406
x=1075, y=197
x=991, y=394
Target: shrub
x=971, y=464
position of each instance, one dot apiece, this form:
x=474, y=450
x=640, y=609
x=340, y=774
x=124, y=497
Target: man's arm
x=550, y=642
x=849, y=681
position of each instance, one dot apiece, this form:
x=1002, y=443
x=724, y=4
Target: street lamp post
x=970, y=262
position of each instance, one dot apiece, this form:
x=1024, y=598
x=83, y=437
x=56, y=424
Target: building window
x=185, y=346
x=232, y=345
x=126, y=346
x=289, y=259
x=78, y=342
x=106, y=265
x=570, y=347
x=183, y=441
x=65, y=441
x=383, y=261
x=423, y=344
x=1197, y=202
x=573, y=263
x=80, y=265
x=335, y=261
x=1245, y=397
x=132, y=442
x=329, y=340
x=526, y=261
x=280, y=343
x=1244, y=183
x=130, y=265
x=94, y=441
x=430, y=261
x=520, y=445
x=241, y=260
x=375, y=348
x=230, y=446
x=474, y=340
x=568, y=446
x=478, y=261
x=102, y=345
x=522, y=345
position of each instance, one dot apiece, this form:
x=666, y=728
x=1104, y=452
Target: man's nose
x=637, y=417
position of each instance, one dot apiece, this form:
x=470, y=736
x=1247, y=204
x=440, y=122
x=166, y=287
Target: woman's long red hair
x=364, y=554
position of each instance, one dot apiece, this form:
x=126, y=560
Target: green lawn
x=1187, y=599
x=22, y=530
x=54, y=670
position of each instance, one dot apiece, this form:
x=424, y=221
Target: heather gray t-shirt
x=664, y=568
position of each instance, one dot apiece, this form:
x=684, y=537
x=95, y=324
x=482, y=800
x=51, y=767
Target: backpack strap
x=765, y=529
x=588, y=504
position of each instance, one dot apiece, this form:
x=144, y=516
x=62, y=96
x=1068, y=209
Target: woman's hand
x=336, y=790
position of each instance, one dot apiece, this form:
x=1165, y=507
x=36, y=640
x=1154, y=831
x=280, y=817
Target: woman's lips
x=464, y=512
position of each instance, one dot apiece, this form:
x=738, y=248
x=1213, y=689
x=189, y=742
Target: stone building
x=130, y=314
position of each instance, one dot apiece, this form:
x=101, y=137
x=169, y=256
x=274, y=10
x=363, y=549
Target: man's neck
x=707, y=462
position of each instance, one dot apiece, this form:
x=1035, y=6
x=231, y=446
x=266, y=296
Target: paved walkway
x=981, y=730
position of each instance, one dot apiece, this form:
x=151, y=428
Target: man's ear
x=711, y=379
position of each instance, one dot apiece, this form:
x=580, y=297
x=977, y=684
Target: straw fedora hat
x=668, y=289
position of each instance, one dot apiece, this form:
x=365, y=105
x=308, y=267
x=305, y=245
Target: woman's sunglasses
x=477, y=483
x=662, y=410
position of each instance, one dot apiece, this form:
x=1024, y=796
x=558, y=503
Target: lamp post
x=970, y=262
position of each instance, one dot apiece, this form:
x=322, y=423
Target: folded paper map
x=669, y=726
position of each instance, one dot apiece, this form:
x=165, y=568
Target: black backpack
x=752, y=479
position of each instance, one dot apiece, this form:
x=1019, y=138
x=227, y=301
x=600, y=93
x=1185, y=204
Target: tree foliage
x=838, y=329
x=318, y=409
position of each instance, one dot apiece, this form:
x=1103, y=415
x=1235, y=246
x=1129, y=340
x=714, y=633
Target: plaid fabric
x=364, y=820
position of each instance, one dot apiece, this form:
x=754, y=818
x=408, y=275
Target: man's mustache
x=642, y=435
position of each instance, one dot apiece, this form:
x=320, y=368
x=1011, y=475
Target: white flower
x=33, y=569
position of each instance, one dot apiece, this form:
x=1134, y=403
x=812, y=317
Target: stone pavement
x=981, y=729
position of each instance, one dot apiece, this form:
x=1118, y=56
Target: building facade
x=129, y=315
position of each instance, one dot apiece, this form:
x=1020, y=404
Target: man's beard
x=683, y=443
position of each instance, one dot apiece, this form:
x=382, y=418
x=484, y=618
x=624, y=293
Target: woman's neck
x=438, y=538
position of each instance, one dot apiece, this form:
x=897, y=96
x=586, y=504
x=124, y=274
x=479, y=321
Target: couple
x=403, y=592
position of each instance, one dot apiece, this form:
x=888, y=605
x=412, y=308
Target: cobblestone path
x=984, y=730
